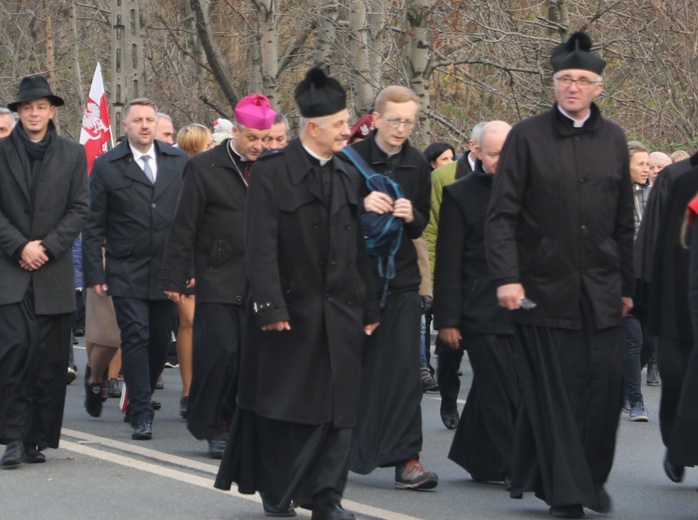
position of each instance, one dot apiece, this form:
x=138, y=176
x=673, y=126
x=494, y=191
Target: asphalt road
x=99, y=473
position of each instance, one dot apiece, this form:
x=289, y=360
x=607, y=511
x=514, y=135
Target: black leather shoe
x=142, y=431
x=32, y=455
x=216, y=448
x=270, y=508
x=603, y=501
x=673, y=471
x=14, y=455
x=571, y=511
x=93, y=399
x=331, y=511
x=450, y=418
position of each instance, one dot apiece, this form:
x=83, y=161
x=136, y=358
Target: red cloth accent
x=692, y=209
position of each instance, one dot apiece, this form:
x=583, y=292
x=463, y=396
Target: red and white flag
x=96, y=129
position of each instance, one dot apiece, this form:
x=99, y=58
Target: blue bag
x=382, y=233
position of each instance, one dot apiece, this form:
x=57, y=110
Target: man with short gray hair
x=7, y=122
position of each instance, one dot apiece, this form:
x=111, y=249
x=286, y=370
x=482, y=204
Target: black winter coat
x=560, y=219
x=464, y=295
x=134, y=218
x=410, y=170
x=209, y=223
x=306, y=263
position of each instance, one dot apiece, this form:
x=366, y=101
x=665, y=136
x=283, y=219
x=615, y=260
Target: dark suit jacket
x=55, y=217
x=133, y=217
x=209, y=224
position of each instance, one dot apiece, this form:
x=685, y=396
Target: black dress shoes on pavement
x=14, y=455
x=142, y=431
x=673, y=471
x=216, y=448
x=571, y=511
x=450, y=418
x=331, y=510
x=32, y=455
x=270, y=508
x=93, y=399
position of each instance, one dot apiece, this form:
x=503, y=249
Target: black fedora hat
x=34, y=87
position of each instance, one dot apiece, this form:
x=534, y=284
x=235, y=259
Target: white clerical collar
x=232, y=147
x=577, y=123
x=323, y=160
x=471, y=161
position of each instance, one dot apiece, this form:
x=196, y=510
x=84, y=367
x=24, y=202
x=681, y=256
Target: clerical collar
x=576, y=123
x=471, y=161
x=232, y=147
x=322, y=160
x=386, y=152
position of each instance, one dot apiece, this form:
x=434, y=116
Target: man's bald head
x=658, y=161
x=490, y=143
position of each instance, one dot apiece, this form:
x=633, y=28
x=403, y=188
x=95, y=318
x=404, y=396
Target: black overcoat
x=134, y=218
x=306, y=263
x=55, y=216
x=209, y=223
x=561, y=219
x=464, y=295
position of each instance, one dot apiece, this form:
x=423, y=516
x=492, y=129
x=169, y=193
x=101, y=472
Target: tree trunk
x=326, y=35
x=417, y=56
x=269, y=48
x=360, y=54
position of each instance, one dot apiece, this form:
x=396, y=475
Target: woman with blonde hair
x=193, y=139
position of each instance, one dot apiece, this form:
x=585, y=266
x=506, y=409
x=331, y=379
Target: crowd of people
x=301, y=278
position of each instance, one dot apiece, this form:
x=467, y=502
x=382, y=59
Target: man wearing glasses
x=559, y=239
x=389, y=433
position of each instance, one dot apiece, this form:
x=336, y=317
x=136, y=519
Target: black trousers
x=33, y=362
x=447, y=373
x=146, y=327
x=218, y=329
x=672, y=360
x=572, y=392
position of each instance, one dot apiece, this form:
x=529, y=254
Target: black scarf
x=31, y=154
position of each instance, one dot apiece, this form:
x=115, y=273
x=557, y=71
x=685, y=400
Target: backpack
x=382, y=233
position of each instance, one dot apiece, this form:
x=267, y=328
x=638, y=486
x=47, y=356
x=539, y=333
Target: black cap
x=575, y=53
x=319, y=95
x=34, y=87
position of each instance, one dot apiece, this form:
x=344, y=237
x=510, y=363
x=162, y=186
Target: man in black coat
x=43, y=207
x=389, y=433
x=311, y=304
x=133, y=194
x=209, y=226
x=466, y=312
x=559, y=233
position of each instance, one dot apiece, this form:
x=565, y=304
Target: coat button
x=153, y=205
x=347, y=227
x=582, y=180
x=238, y=299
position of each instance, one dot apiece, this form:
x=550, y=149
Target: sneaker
x=638, y=413
x=428, y=382
x=93, y=399
x=626, y=406
x=171, y=364
x=652, y=374
x=114, y=389
x=412, y=475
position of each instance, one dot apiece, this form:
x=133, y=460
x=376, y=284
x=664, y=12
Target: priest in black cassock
x=311, y=302
x=559, y=234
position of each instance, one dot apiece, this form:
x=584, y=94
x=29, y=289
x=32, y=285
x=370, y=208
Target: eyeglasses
x=582, y=83
x=396, y=123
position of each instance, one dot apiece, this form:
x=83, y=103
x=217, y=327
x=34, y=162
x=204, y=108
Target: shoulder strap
x=358, y=161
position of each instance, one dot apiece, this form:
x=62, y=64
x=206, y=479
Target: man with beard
x=311, y=304
x=559, y=239
x=43, y=207
x=133, y=194
x=208, y=225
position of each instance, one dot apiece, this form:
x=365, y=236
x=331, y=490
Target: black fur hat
x=575, y=53
x=319, y=95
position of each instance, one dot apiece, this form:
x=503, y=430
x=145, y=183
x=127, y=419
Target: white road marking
x=83, y=440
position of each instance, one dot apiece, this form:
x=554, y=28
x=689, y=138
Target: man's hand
x=33, y=256
x=368, y=329
x=451, y=336
x=378, y=202
x=278, y=326
x=627, y=305
x=403, y=209
x=510, y=295
x=100, y=289
x=175, y=296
